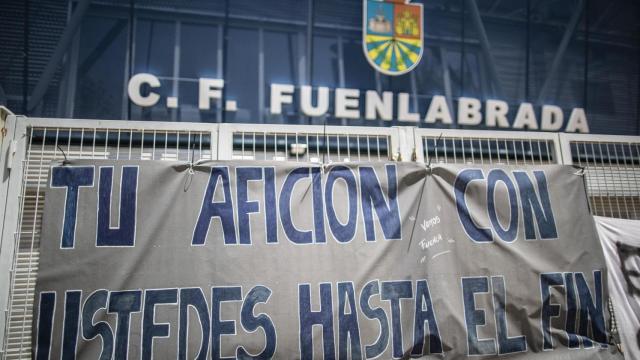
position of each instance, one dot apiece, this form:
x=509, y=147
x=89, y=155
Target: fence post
x=402, y=145
x=214, y=146
x=418, y=145
x=13, y=154
x=565, y=149
x=225, y=142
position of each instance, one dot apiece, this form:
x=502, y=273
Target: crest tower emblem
x=392, y=35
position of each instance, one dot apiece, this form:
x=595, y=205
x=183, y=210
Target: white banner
x=621, y=243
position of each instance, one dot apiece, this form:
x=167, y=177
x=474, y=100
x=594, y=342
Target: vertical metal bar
x=68, y=141
x=425, y=144
x=166, y=143
x=93, y=144
x=464, y=152
x=55, y=146
x=444, y=141
x=506, y=150
x=585, y=174
x=10, y=226
x=621, y=179
x=596, y=182
x=613, y=181
x=539, y=152
x=435, y=148
x=106, y=144
x=153, y=153
x=605, y=178
x=242, y=145
x=118, y=146
x=298, y=148
x=34, y=229
x=253, y=156
x=368, y=149
x=81, y=141
x=189, y=151
x=17, y=238
x=455, y=151
x=628, y=173
x=546, y=144
x=635, y=172
x=130, y=142
x=200, y=146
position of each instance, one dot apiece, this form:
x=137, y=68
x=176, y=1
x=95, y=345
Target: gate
x=28, y=145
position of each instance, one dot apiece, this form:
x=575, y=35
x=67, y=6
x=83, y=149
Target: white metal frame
x=421, y=133
x=401, y=144
x=612, y=171
x=11, y=184
x=15, y=342
x=566, y=140
x=227, y=131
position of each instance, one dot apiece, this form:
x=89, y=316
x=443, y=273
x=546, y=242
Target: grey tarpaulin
x=240, y=259
x=621, y=242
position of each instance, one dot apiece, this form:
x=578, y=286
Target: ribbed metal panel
x=12, y=47
x=47, y=20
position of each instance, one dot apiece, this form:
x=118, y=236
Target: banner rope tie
x=65, y=161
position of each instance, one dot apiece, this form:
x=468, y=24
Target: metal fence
x=487, y=147
x=310, y=143
x=612, y=171
x=28, y=145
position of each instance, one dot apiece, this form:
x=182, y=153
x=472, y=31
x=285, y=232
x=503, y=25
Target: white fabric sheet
x=621, y=243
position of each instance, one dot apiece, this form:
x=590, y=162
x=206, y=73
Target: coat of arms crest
x=392, y=35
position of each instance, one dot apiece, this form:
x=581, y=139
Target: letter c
x=136, y=82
